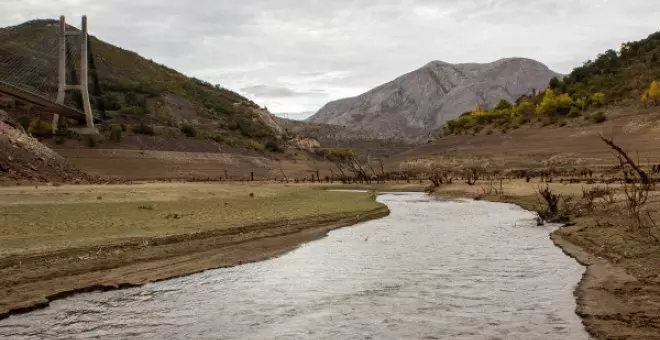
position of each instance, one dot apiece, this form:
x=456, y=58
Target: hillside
x=625, y=80
x=142, y=96
x=361, y=140
x=424, y=99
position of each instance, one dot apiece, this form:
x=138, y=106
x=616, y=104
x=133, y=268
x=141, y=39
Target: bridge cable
x=96, y=83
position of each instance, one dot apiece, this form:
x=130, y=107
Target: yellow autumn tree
x=598, y=98
x=654, y=93
x=563, y=103
x=645, y=98
x=547, y=104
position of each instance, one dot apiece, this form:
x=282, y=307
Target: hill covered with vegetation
x=132, y=94
x=624, y=78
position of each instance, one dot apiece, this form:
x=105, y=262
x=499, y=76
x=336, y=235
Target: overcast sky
x=294, y=56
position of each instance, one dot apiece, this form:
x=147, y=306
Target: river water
x=433, y=269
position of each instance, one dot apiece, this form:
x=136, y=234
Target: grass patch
x=68, y=216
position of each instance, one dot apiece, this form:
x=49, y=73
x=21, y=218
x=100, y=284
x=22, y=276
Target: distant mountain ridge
x=422, y=100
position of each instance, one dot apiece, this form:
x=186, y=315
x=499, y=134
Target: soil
x=25, y=159
x=30, y=281
x=576, y=144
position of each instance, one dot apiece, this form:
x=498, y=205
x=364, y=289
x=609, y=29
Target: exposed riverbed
x=455, y=269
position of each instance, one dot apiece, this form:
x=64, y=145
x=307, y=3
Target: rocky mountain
x=424, y=99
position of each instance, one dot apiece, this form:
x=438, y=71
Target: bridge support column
x=61, y=70
x=84, y=77
x=83, y=86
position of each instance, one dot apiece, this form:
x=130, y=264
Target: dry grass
x=54, y=217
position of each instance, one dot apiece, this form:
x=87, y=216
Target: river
x=433, y=269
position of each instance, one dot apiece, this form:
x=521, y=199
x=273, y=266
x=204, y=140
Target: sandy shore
x=619, y=294
x=83, y=249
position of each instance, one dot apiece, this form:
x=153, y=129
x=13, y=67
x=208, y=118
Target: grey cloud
x=274, y=91
x=305, y=53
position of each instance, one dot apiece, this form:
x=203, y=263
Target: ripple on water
x=433, y=269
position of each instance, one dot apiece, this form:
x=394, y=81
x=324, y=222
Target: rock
x=423, y=100
x=304, y=143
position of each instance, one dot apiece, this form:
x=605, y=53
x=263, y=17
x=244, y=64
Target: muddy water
x=433, y=269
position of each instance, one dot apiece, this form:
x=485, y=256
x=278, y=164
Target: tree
x=525, y=110
x=581, y=103
x=598, y=99
x=116, y=133
x=563, y=103
x=548, y=103
x=503, y=105
x=555, y=83
x=654, y=92
x=645, y=98
x=188, y=130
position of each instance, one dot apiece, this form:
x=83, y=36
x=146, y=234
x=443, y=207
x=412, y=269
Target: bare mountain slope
x=424, y=99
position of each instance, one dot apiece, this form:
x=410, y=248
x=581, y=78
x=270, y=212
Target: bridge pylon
x=83, y=86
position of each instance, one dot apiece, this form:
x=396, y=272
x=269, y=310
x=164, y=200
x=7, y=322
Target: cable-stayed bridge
x=56, y=80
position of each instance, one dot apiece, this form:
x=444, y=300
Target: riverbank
x=619, y=294
x=60, y=240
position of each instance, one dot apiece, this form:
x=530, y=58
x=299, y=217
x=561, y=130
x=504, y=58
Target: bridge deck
x=47, y=104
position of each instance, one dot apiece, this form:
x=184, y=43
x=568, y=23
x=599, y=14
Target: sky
x=293, y=56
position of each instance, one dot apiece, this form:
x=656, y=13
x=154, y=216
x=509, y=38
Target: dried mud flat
x=52, y=255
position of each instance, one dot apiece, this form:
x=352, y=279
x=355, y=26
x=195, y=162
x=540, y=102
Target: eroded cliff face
x=424, y=99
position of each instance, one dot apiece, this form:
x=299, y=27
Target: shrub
x=254, y=145
x=144, y=129
x=188, y=130
x=90, y=141
x=273, y=146
x=503, y=105
x=598, y=99
x=24, y=121
x=574, y=112
x=40, y=127
x=116, y=133
x=228, y=140
x=133, y=111
x=335, y=154
x=111, y=101
x=599, y=117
